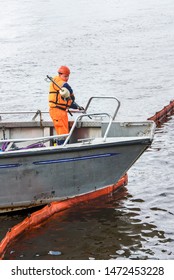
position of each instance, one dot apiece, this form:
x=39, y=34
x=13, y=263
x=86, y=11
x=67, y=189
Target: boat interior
x=35, y=132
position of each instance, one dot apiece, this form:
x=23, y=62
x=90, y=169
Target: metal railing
x=59, y=137
x=37, y=140
x=40, y=113
x=35, y=113
x=89, y=115
x=104, y=97
x=68, y=136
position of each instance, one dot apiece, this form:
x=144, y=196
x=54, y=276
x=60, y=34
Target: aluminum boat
x=96, y=153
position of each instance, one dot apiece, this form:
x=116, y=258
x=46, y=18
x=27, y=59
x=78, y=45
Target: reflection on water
x=7, y=221
x=113, y=231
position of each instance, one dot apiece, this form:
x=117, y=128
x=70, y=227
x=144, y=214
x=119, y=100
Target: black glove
x=81, y=108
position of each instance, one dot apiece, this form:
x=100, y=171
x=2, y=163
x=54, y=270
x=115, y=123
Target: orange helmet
x=64, y=70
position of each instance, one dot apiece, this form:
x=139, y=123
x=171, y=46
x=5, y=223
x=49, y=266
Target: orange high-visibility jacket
x=55, y=99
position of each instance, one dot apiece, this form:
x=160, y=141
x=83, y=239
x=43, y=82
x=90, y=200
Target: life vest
x=55, y=98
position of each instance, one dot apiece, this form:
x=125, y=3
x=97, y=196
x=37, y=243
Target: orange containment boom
x=163, y=115
x=40, y=216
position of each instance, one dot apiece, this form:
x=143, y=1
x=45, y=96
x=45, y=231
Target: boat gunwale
x=70, y=148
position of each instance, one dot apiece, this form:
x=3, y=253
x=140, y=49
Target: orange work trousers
x=60, y=120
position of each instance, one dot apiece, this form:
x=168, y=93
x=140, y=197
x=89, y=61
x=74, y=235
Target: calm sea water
x=120, y=48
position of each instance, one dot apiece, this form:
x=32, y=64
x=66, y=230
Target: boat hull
x=39, y=176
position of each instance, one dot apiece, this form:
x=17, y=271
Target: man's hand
x=81, y=108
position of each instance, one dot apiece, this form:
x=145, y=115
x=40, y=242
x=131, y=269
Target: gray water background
x=120, y=48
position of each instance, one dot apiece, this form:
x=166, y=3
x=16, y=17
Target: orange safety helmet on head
x=64, y=70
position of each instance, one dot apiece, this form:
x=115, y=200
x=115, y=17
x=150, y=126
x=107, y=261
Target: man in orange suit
x=61, y=100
